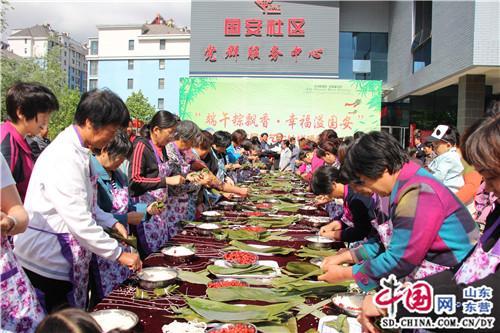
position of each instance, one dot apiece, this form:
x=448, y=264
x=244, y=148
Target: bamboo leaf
x=194, y=277
x=252, y=294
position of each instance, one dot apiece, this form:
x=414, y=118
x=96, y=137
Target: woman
x=149, y=173
x=194, y=156
x=286, y=156
x=431, y=229
x=236, y=139
x=113, y=197
x=305, y=156
x=178, y=199
x=480, y=148
x=66, y=225
x=71, y=321
x=28, y=105
x=328, y=151
x=356, y=222
x=21, y=311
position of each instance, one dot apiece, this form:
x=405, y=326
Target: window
x=25, y=41
x=25, y=51
x=162, y=44
x=422, y=33
x=363, y=55
x=130, y=65
x=131, y=44
x=94, y=47
x=162, y=63
x=161, y=83
x=65, y=53
x=94, y=69
x=161, y=103
x=130, y=84
x=92, y=84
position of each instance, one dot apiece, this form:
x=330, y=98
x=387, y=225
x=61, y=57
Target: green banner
x=294, y=107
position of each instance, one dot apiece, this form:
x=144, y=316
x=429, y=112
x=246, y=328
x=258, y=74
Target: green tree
x=46, y=70
x=139, y=107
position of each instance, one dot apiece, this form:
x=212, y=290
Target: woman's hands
x=175, y=180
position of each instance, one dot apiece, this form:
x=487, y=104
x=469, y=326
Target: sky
x=80, y=18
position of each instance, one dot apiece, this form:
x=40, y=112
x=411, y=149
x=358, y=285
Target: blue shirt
x=232, y=154
x=447, y=168
x=105, y=198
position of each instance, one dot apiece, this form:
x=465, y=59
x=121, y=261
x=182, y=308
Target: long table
x=152, y=313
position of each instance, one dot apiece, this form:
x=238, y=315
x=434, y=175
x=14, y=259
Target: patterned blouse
x=179, y=166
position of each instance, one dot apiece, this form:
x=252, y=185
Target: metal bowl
x=349, y=303
x=164, y=276
x=251, y=327
x=317, y=261
x=227, y=205
x=237, y=198
x=317, y=221
x=205, y=229
x=229, y=279
x=300, y=193
x=115, y=319
x=211, y=216
x=177, y=259
x=272, y=201
x=320, y=242
x=298, y=200
x=234, y=263
x=308, y=210
x=310, y=195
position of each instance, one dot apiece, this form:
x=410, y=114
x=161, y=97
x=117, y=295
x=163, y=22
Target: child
x=286, y=156
x=446, y=167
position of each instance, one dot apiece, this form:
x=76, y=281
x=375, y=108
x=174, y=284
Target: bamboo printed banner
x=294, y=107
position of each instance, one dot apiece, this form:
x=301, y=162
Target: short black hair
x=162, y=119
x=286, y=143
x=374, y=153
x=255, y=140
x=292, y=139
x=101, y=108
x=323, y=179
x=222, y=139
x=359, y=135
x=264, y=134
x=246, y=144
x=303, y=153
x=30, y=98
x=119, y=146
x=428, y=144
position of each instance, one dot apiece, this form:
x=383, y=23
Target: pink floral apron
x=78, y=256
x=21, y=310
x=347, y=217
x=154, y=233
x=178, y=204
x=110, y=274
x=480, y=264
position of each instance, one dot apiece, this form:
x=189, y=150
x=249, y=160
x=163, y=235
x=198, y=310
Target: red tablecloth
x=152, y=313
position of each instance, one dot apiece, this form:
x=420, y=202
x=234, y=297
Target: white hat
x=439, y=133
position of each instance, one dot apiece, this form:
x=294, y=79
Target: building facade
x=34, y=42
x=439, y=61
x=146, y=57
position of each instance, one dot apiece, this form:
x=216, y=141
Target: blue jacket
x=105, y=198
x=232, y=154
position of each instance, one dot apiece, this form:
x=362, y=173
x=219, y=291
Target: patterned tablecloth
x=152, y=313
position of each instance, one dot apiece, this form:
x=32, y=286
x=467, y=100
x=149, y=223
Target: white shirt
x=6, y=177
x=59, y=199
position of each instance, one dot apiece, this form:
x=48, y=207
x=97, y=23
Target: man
x=276, y=147
x=39, y=142
x=263, y=141
x=419, y=147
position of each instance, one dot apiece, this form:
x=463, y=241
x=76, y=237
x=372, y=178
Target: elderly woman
x=29, y=105
x=194, y=156
x=480, y=268
x=178, y=200
x=113, y=197
x=431, y=230
x=149, y=178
